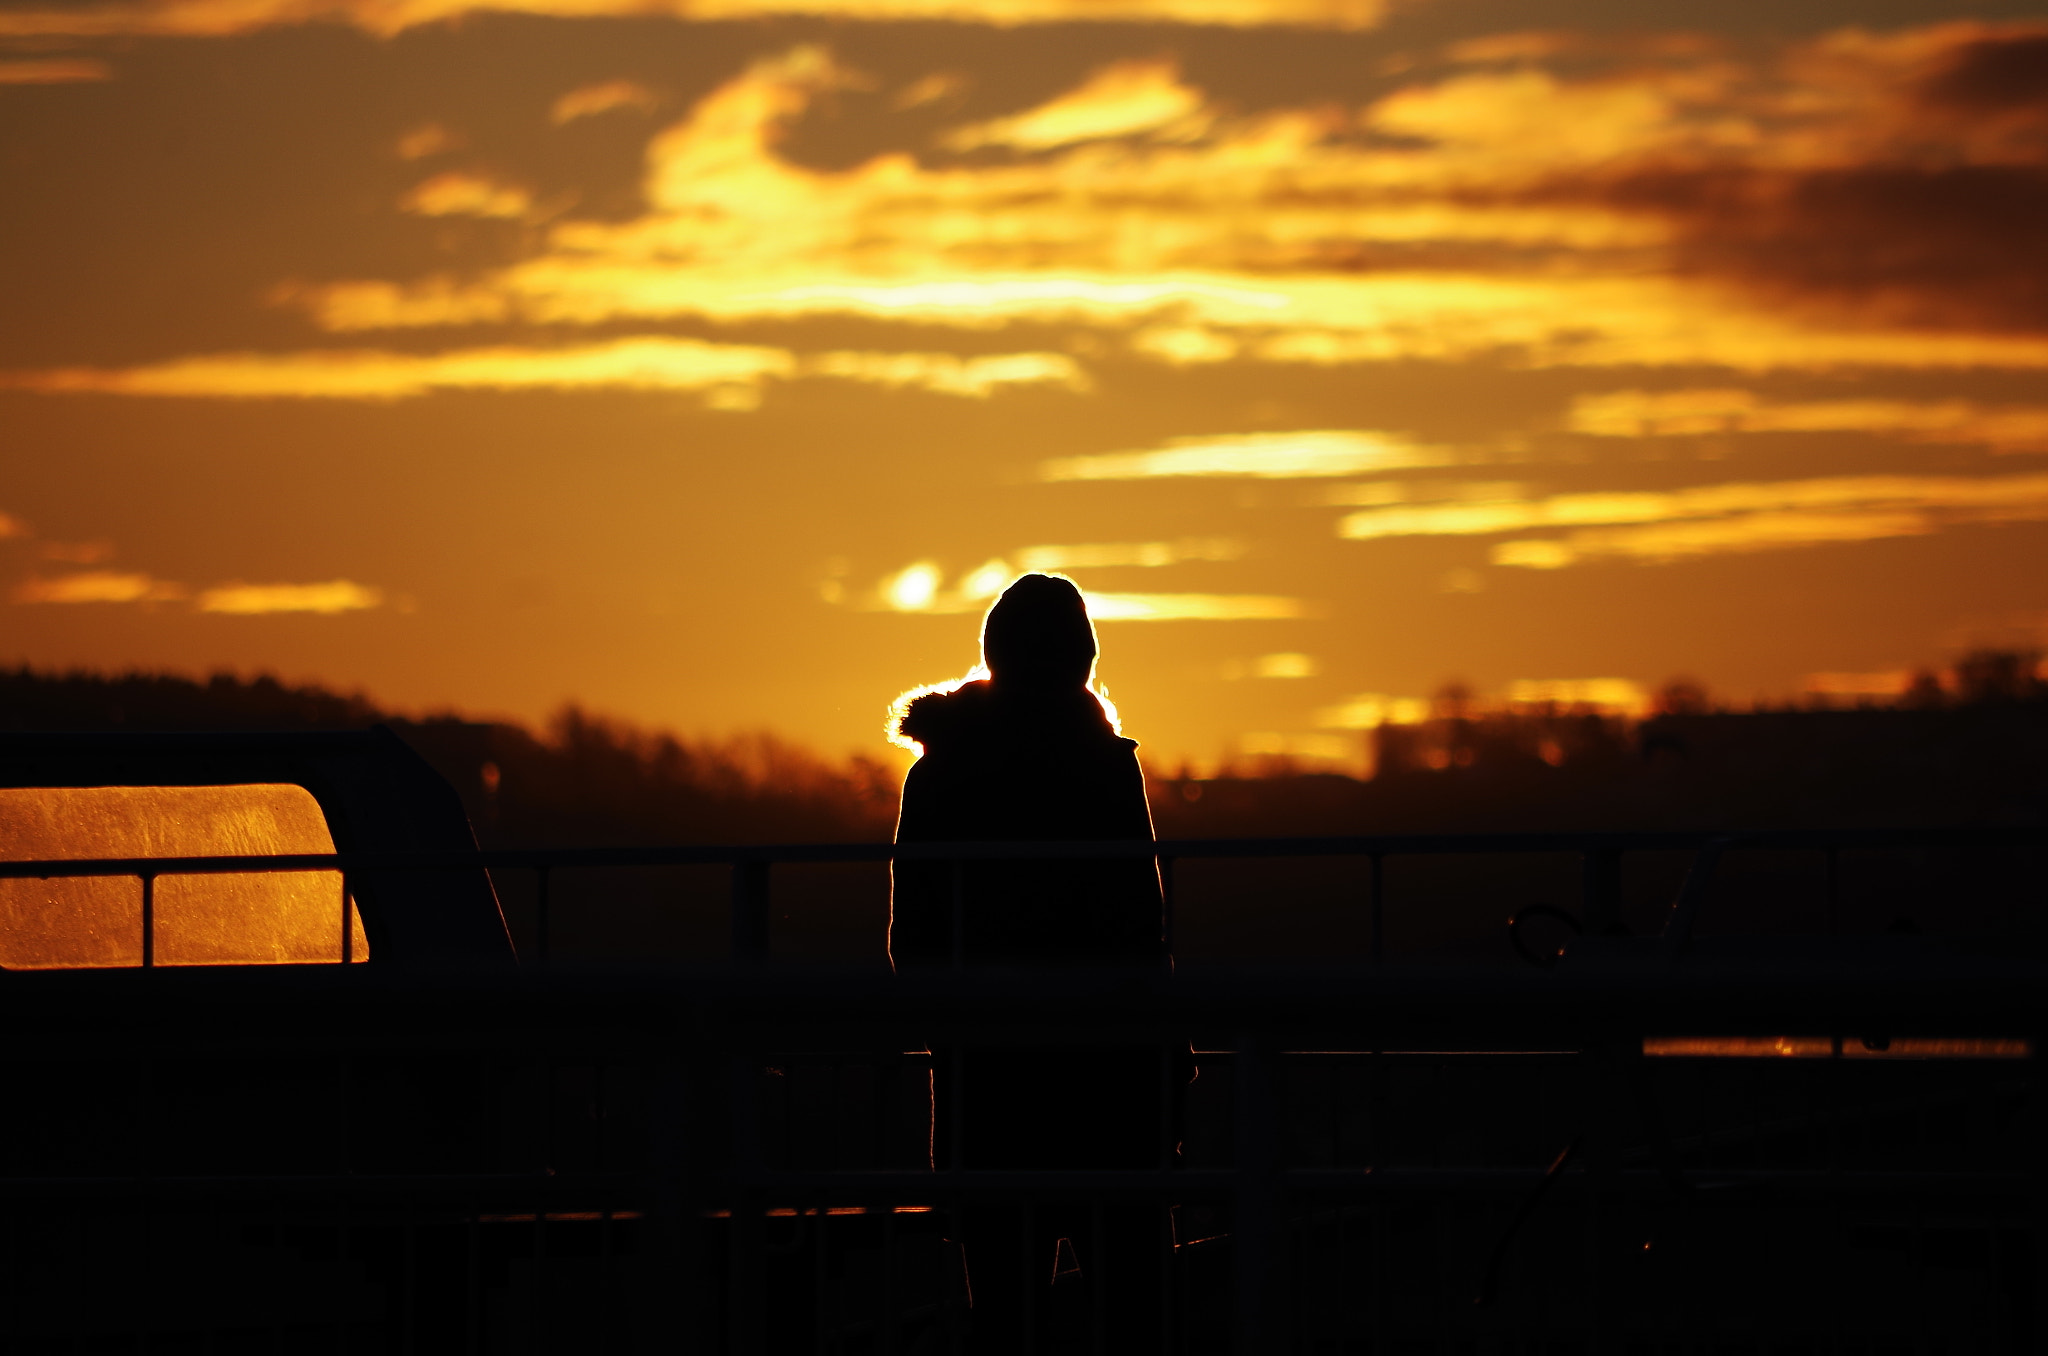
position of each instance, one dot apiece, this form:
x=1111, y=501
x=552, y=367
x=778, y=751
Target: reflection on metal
x=790, y=1212
x=276, y=918
x=1825, y=1047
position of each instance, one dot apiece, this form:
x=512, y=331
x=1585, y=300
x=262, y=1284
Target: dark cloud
x=1995, y=75
x=1954, y=246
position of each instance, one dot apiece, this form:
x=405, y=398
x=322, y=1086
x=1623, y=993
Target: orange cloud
x=97, y=586
x=54, y=71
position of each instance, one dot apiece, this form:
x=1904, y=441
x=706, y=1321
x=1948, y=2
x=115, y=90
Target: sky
x=713, y=363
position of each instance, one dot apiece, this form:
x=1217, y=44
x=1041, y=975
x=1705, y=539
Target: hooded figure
x=1026, y=753
x=1029, y=753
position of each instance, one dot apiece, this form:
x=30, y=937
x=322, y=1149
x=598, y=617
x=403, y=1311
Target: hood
x=978, y=711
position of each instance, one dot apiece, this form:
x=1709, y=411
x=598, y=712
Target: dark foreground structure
x=1817, y=1141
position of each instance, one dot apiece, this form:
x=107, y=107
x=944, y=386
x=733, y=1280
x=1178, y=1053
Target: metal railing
x=1494, y=1125
x=751, y=865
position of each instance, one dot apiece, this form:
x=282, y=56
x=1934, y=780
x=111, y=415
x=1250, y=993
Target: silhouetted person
x=1029, y=753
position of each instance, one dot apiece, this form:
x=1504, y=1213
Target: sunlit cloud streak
x=1715, y=519
x=920, y=588
x=456, y=194
x=588, y=101
x=1127, y=98
x=55, y=71
x=427, y=139
x=1286, y=664
x=1369, y=710
x=1536, y=217
x=731, y=372
x=97, y=586
x=1143, y=554
x=1302, y=455
x=949, y=374
x=327, y=599
x=1649, y=414
x=1616, y=696
x=1109, y=607
x=221, y=18
x=1886, y=683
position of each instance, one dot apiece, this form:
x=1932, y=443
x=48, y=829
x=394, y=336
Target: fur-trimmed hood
x=980, y=711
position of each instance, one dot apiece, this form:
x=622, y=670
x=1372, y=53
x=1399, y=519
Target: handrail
x=732, y=854
x=750, y=863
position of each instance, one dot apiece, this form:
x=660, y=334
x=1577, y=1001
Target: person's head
x=1038, y=635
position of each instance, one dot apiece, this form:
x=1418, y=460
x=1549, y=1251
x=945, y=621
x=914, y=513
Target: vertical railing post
x=1252, y=1228
x=1834, y=890
x=148, y=920
x=540, y=915
x=958, y=931
x=1600, y=907
x=1166, y=911
x=750, y=912
x=1376, y=904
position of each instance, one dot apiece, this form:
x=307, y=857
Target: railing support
x=1601, y=897
x=148, y=920
x=750, y=912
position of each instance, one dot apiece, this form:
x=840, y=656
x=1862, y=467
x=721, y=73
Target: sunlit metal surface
x=278, y=918
x=1825, y=1047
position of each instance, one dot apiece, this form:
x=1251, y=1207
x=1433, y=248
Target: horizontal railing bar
x=861, y=1187
x=1413, y=845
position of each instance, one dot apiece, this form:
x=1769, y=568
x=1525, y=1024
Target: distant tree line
x=584, y=780
x=1967, y=747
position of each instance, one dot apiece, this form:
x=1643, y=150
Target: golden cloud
x=727, y=372
x=1620, y=696
x=1515, y=215
x=1307, y=454
x=949, y=374
x=920, y=587
x=1108, y=607
x=1126, y=98
x=590, y=100
x=1713, y=519
x=1719, y=519
x=1144, y=554
x=249, y=600
x=1644, y=414
x=97, y=586
x=11, y=526
x=466, y=195
x=221, y=18
x=427, y=139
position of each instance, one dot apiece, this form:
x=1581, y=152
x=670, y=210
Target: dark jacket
x=1023, y=764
